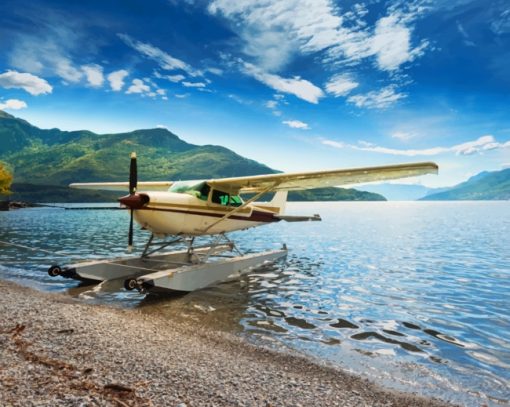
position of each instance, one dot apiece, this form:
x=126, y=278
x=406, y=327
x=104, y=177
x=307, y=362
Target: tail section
x=280, y=201
x=277, y=204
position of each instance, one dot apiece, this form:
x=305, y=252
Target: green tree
x=5, y=180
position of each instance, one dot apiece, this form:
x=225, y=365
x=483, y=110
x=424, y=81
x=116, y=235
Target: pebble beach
x=58, y=351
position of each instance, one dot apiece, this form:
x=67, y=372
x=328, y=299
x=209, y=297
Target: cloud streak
x=298, y=87
x=162, y=58
x=296, y=124
x=341, y=85
x=380, y=99
x=478, y=146
x=273, y=32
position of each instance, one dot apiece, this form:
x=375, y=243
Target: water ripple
x=412, y=294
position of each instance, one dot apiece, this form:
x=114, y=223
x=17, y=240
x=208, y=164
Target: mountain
x=398, y=192
x=486, y=185
x=334, y=194
x=401, y=192
x=51, y=159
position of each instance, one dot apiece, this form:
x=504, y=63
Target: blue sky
x=295, y=84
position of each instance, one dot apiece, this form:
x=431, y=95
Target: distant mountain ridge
x=486, y=185
x=57, y=158
x=494, y=185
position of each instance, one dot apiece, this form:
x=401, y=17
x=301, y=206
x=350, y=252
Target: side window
x=220, y=197
x=235, y=200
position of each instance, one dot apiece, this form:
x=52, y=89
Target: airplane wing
x=320, y=179
x=123, y=186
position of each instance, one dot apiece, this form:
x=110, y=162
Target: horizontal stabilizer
x=290, y=218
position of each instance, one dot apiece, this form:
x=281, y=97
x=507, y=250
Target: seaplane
x=177, y=213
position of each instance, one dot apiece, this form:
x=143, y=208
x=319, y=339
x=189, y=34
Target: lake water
x=414, y=295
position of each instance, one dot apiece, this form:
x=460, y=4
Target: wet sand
x=58, y=351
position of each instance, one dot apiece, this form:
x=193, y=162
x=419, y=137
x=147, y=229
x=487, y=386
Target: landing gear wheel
x=130, y=284
x=55, y=271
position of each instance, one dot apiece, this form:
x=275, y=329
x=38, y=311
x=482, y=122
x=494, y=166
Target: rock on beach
x=58, y=351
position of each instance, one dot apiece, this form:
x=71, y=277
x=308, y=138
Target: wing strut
x=238, y=208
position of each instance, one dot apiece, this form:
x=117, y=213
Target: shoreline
x=56, y=350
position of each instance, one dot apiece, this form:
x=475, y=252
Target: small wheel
x=54, y=271
x=130, y=284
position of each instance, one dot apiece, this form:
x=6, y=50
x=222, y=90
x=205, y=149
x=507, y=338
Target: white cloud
x=31, y=83
x=48, y=49
x=274, y=31
x=161, y=92
x=13, y=104
x=501, y=24
x=116, y=79
x=484, y=143
x=467, y=40
x=162, y=58
x=215, y=71
x=332, y=143
x=172, y=78
x=182, y=95
x=271, y=104
x=380, y=99
x=301, y=88
x=194, y=84
x=138, y=86
x=403, y=135
x=391, y=43
x=296, y=124
x=94, y=74
x=239, y=99
x=341, y=85
x=64, y=68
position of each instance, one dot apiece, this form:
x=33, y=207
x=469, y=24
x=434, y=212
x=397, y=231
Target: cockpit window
x=197, y=189
x=225, y=199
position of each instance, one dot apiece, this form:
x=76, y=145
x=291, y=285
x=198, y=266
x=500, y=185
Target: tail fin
x=280, y=201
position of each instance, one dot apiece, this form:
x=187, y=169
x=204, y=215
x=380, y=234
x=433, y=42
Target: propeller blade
x=133, y=181
x=133, y=174
x=130, y=234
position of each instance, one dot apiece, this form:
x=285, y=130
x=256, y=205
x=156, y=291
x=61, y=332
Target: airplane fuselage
x=169, y=213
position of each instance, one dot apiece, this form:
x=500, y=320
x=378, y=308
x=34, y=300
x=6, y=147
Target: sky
x=295, y=84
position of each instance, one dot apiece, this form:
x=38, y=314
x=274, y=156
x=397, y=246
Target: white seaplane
x=185, y=210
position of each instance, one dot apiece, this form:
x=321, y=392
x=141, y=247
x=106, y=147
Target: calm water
x=411, y=294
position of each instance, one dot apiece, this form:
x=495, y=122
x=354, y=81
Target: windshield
x=198, y=189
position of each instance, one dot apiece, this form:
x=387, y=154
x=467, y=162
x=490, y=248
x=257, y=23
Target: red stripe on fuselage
x=256, y=216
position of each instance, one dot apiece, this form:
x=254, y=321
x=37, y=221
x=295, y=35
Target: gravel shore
x=57, y=351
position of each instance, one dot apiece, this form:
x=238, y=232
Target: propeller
x=133, y=180
x=134, y=200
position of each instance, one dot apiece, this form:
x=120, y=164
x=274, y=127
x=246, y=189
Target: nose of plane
x=134, y=201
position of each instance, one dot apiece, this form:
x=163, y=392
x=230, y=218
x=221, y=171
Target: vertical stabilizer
x=280, y=201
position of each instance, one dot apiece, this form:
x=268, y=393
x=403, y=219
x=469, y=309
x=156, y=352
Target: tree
x=5, y=180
